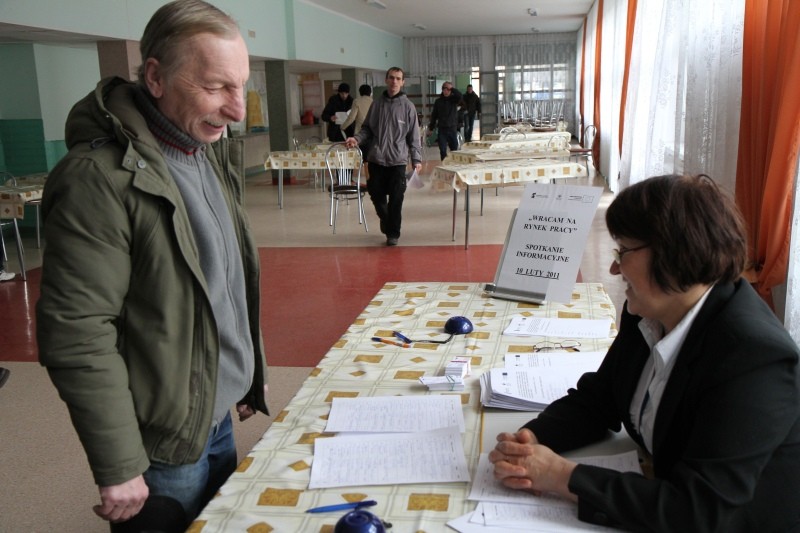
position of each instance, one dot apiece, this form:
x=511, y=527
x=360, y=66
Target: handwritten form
x=401, y=439
x=389, y=459
x=566, y=328
x=395, y=414
x=503, y=509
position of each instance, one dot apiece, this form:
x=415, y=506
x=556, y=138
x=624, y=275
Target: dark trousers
x=469, y=120
x=447, y=137
x=387, y=188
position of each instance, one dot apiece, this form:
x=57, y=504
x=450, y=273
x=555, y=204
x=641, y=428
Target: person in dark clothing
x=471, y=107
x=341, y=101
x=445, y=116
x=702, y=376
x=391, y=130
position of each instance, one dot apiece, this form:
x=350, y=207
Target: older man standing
x=148, y=319
x=391, y=130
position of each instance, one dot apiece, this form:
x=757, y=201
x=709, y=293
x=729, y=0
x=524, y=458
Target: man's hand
x=122, y=502
x=351, y=142
x=245, y=411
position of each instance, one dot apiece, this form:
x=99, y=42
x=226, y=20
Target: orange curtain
x=769, y=135
x=580, y=90
x=628, y=48
x=598, y=49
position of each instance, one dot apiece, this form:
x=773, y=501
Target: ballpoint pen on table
x=342, y=506
x=393, y=343
x=402, y=337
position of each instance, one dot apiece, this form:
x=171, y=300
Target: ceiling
x=463, y=17
x=438, y=18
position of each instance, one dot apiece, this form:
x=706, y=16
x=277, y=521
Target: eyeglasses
x=447, y=88
x=547, y=346
x=619, y=253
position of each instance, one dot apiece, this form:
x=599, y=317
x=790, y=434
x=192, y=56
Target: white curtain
x=684, y=90
x=442, y=57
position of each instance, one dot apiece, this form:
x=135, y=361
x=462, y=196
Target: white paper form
x=532, y=517
x=565, y=328
x=395, y=414
x=589, y=361
x=527, y=389
x=389, y=459
x=486, y=488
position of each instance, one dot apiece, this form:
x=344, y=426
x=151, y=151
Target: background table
x=14, y=198
x=503, y=173
x=269, y=491
x=526, y=135
x=297, y=160
x=471, y=156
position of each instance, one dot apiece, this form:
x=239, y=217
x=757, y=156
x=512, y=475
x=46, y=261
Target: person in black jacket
x=339, y=102
x=702, y=375
x=471, y=108
x=446, y=117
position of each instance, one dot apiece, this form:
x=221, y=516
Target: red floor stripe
x=310, y=295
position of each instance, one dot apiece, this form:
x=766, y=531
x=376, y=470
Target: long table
x=269, y=491
x=295, y=160
x=498, y=173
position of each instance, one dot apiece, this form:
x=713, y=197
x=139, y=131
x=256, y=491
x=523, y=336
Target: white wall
x=64, y=75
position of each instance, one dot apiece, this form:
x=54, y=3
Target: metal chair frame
x=585, y=151
x=13, y=222
x=345, y=182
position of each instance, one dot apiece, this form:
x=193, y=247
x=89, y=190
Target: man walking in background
x=341, y=102
x=391, y=130
x=359, y=110
x=445, y=116
x=471, y=108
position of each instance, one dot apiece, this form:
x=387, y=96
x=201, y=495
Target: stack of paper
x=459, y=367
x=391, y=440
x=530, y=382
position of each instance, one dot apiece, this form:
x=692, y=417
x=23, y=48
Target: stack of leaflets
x=540, y=379
x=459, y=367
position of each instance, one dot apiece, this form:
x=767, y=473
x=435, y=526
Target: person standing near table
x=702, y=375
x=359, y=110
x=391, y=131
x=148, y=320
x=341, y=102
x=446, y=117
x=472, y=108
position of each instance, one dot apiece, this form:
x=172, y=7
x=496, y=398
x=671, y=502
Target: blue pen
x=402, y=337
x=342, y=506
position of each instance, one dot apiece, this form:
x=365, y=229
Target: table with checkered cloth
x=269, y=491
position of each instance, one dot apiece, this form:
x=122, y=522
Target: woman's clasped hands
x=520, y=462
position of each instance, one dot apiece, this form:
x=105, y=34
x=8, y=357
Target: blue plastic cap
x=359, y=521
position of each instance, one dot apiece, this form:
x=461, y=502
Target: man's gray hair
x=176, y=22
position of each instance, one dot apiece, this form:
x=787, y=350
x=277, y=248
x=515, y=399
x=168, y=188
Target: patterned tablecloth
x=526, y=136
x=481, y=156
x=13, y=199
x=505, y=141
x=269, y=491
x=297, y=160
x=457, y=176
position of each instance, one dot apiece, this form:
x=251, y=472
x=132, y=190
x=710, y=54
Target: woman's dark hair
x=694, y=230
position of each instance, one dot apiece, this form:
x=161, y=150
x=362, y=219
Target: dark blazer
x=726, y=440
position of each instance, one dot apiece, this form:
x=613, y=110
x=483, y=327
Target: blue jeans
x=193, y=485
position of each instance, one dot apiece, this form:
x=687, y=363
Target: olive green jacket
x=124, y=323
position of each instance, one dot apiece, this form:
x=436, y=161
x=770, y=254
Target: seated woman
x=702, y=376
